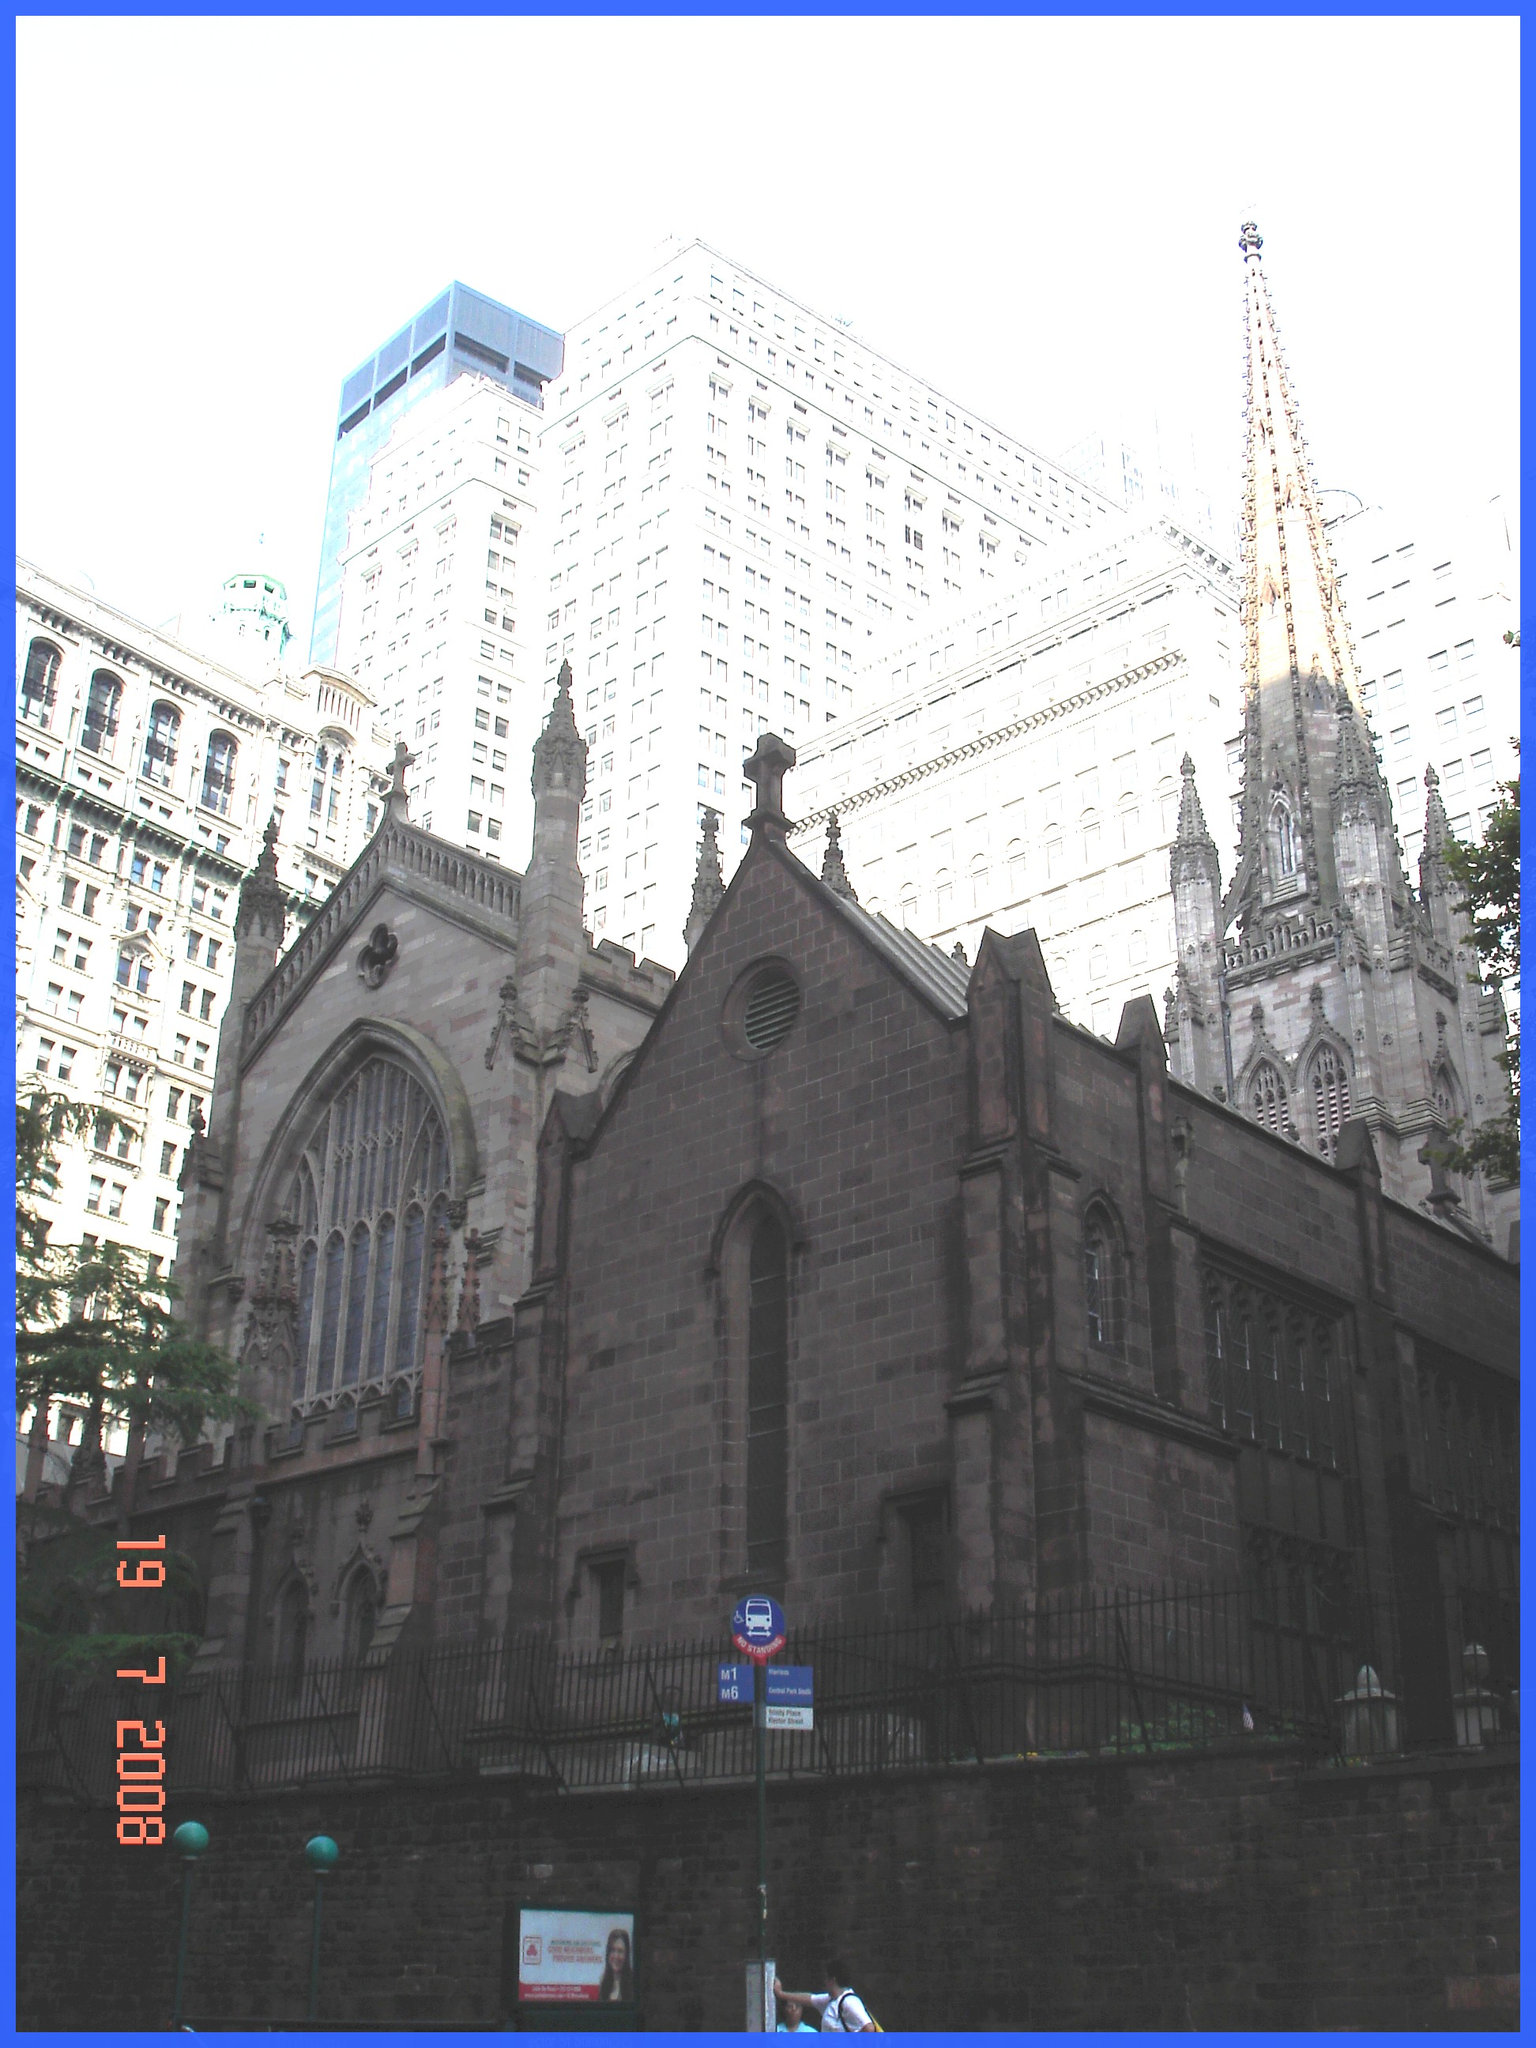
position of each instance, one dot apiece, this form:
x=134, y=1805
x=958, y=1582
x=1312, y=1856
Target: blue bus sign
x=789, y=1685
x=757, y=1627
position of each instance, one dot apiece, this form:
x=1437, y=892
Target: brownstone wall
x=1221, y=1892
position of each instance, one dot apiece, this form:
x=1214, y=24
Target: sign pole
x=759, y=1717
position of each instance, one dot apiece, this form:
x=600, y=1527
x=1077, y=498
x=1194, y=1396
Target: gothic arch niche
x=754, y=1265
x=1287, y=868
x=368, y=1174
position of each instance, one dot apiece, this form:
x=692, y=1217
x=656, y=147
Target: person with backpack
x=841, y=2009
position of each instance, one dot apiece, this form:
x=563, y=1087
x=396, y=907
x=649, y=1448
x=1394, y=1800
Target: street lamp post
x=189, y=1842
x=322, y=1855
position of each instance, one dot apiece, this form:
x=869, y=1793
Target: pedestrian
x=793, y=2021
x=840, y=2009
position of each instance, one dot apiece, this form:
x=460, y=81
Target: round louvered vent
x=773, y=1003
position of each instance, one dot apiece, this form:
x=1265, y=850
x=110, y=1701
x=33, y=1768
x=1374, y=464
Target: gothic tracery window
x=1270, y=1366
x=1266, y=1099
x=768, y=1399
x=367, y=1192
x=1285, y=839
x=1103, y=1279
x=1330, y=1099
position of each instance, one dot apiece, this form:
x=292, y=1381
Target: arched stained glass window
x=100, y=727
x=1266, y=1099
x=1330, y=1099
x=1285, y=838
x=768, y=1400
x=368, y=1190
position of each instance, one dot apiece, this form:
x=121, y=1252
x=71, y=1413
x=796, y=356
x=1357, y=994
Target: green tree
x=1489, y=877
x=95, y=1325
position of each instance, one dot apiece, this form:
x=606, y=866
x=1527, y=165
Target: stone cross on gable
x=766, y=767
x=397, y=791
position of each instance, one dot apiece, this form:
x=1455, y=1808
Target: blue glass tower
x=460, y=331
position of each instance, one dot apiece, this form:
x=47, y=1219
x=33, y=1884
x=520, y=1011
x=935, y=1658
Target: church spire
x=1297, y=653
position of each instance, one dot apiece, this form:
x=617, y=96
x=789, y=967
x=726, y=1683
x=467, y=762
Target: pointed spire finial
x=1193, y=853
x=262, y=896
x=833, y=873
x=266, y=860
x=708, y=879
x=1250, y=241
x=560, y=752
x=397, y=802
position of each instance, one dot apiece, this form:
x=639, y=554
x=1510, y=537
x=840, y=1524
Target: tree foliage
x=1488, y=874
x=96, y=1325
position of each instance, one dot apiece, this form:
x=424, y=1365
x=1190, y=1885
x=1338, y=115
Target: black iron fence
x=1111, y=1674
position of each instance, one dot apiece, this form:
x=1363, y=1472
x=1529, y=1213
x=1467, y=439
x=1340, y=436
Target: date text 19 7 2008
x=141, y=1744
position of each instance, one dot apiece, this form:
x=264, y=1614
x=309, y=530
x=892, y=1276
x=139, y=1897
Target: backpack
x=872, y=2020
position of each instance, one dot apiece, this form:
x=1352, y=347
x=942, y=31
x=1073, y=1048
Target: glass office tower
x=459, y=331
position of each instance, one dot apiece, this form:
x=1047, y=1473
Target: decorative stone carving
x=376, y=961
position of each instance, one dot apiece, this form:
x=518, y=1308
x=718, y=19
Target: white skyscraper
x=1019, y=762
x=1430, y=595
x=736, y=496
x=435, y=614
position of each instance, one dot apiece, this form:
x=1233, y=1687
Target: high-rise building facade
x=1342, y=993
x=442, y=611
x=1431, y=595
x=460, y=332
x=146, y=773
x=1019, y=764
x=739, y=494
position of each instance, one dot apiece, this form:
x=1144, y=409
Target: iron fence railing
x=1110, y=1674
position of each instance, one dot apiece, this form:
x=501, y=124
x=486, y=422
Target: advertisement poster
x=568, y=1954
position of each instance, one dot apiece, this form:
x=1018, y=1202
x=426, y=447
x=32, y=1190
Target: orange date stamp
x=141, y=1744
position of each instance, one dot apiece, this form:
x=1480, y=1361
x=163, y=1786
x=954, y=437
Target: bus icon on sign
x=758, y=1620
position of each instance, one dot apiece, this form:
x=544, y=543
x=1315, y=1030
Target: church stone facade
x=579, y=1302
x=366, y=1179
x=1319, y=987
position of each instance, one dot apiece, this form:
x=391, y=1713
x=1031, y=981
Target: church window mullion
x=357, y=1306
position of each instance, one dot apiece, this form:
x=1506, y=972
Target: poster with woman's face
x=575, y=1953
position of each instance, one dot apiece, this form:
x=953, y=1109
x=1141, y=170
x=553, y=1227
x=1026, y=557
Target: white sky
x=217, y=220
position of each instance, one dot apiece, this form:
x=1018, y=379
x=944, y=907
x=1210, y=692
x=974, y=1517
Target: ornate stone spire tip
x=833, y=872
x=1250, y=241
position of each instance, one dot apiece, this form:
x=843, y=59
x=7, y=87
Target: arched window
x=160, y=744
x=1130, y=824
x=359, y=1613
x=768, y=1400
x=1091, y=835
x=100, y=727
x=1015, y=867
x=979, y=882
x=1054, y=853
x=292, y=1632
x=1103, y=1279
x=219, y=774
x=943, y=896
x=368, y=1191
x=908, y=904
x=39, y=683
x=1266, y=1099
x=1284, y=825
x=1330, y=1099
x=1444, y=1093
x=1167, y=808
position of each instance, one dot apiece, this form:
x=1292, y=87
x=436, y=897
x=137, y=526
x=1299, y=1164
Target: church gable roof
x=458, y=886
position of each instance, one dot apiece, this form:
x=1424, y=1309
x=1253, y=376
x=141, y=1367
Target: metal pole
x=759, y=1716
x=314, y=1951
x=181, y=1944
